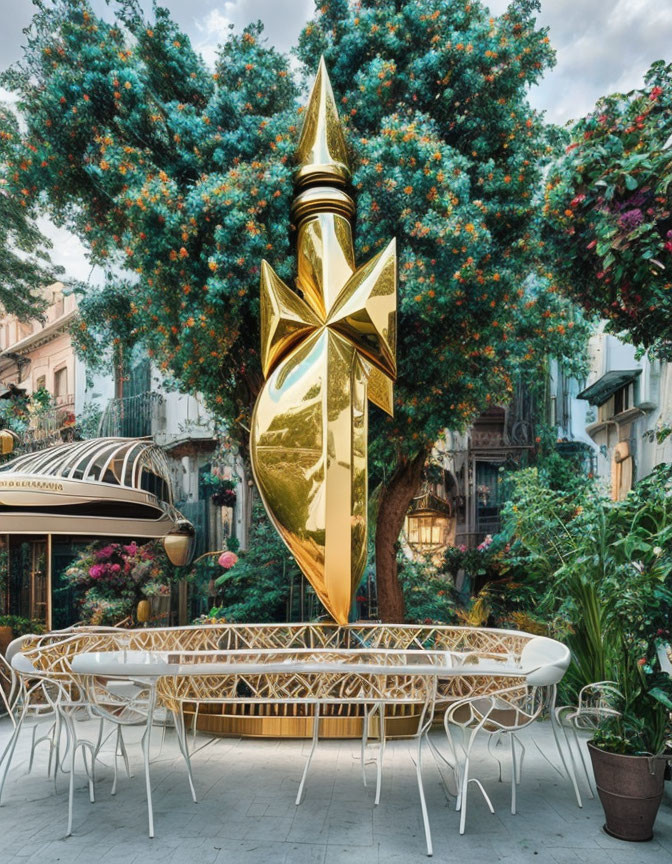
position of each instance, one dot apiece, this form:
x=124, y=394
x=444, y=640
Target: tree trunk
x=395, y=500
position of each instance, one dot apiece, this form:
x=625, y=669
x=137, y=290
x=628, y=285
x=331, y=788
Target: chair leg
x=8, y=754
x=124, y=753
x=437, y=754
x=571, y=767
x=163, y=735
x=71, y=787
x=146, y=738
x=492, y=738
x=519, y=772
x=33, y=744
x=552, y=710
x=365, y=738
x=113, y=791
x=90, y=774
x=514, y=774
x=458, y=769
x=423, y=803
x=57, y=749
x=483, y=793
x=183, y=743
x=316, y=735
x=463, y=795
x=591, y=794
x=381, y=751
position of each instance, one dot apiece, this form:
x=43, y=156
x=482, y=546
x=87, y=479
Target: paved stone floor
x=247, y=814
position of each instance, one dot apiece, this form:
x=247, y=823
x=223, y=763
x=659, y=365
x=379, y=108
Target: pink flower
x=105, y=552
x=115, y=568
x=96, y=571
x=132, y=548
x=227, y=560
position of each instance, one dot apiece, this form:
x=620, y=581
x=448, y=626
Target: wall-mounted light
x=179, y=544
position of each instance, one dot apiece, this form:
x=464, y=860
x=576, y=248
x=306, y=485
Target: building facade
x=628, y=401
x=48, y=397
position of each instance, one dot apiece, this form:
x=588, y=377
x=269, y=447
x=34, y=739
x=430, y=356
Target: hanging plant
x=222, y=488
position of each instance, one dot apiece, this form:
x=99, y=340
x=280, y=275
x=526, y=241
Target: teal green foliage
x=182, y=178
x=175, y=174
x=446, y=151
x=25, y=266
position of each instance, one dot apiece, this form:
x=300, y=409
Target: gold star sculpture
x=325, y=350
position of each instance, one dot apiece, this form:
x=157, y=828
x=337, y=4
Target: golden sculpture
x=323, y=354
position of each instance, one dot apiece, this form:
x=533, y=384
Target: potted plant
x=628, y=751
x=13, y=626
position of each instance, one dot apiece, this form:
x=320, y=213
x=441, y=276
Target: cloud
x=282, y=19
x=213, y=30
x=69, y=252
x=603, y=46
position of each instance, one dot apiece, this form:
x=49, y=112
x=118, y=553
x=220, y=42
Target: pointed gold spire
x=322, y=154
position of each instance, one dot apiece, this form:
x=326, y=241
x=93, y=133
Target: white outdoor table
x=147, y=667
x=142, y=665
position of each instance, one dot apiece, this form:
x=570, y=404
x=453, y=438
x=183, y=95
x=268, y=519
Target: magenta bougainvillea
x=111, y=579
x=608, y=212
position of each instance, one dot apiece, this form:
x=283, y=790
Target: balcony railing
x=131, y=416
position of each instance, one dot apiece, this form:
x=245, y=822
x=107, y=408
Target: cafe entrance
x=27, y=576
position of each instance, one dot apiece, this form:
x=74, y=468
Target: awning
x=607, y=385
x=113, y=487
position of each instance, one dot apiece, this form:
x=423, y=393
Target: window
x=59, y=303
x=41, y=383
x=621, y=400
x=61, y=382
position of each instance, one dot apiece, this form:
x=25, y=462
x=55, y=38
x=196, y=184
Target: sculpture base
x=296, y=721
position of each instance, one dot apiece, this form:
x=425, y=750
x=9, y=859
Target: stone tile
x=246, y=811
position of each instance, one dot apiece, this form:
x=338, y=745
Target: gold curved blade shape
x=309, y=460
x=285, y=318
x=366, y=310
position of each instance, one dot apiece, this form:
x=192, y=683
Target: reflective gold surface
x=323, y=354
x=322, y=154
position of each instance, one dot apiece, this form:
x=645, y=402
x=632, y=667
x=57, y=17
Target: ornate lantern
x=428, y=523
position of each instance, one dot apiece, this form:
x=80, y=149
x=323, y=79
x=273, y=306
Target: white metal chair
x=507, y=711
x=28, y=707
x=595, y=703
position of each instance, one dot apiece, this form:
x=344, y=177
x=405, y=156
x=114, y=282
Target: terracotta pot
x=630, y=789
x=6, y=636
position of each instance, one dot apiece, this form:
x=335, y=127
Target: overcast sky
x=602, y=46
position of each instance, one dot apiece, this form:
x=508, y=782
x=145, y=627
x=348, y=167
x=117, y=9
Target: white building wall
x=649, y=407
